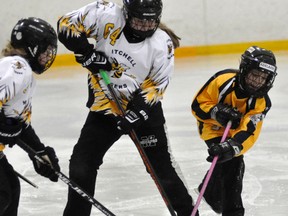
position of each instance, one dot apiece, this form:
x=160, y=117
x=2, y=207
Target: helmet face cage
x=257, y=64
x=143, y=16
x=38, y=39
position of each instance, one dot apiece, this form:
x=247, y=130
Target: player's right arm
x=75, y=27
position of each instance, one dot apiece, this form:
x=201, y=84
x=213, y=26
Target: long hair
x=175, y=39
x=9, y=50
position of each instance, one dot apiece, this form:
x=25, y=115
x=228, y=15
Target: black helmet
x=143, y=16
x=256, y=64
x=38, y=39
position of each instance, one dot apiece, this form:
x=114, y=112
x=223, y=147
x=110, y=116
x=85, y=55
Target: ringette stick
x=66, y=180
x=136, y=141
x=202, y=191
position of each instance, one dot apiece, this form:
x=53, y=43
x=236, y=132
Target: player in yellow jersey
x=32, y=48
x=242, y=97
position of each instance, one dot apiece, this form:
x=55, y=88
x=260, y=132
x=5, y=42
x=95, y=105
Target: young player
x=33, y=47
x=240, y=96
x=139, y=58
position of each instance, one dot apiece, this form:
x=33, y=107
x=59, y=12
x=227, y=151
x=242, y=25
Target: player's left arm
x=156, y=83
x=251, y=124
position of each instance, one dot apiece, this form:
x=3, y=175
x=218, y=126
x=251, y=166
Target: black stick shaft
x=66, y=180
x=140, y=149
x=25, y=179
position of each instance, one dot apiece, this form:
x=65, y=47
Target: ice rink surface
x=123, y=185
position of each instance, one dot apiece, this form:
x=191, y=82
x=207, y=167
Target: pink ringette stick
x=210, y=172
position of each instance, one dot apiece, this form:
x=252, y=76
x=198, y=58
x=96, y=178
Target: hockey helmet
x=38, y=39
x=143, y=16
x=257, y=71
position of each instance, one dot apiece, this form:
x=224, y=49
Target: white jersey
x=16, y=88
x=147, y=65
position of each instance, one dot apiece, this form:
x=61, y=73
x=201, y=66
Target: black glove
x=223, y=113
x=131, y=120
x=10, y=130
x=94, y=61
x=51, y=165
x=225, y=150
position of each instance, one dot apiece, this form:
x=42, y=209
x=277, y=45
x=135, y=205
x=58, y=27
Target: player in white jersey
x=33, y=47
x=138, y=54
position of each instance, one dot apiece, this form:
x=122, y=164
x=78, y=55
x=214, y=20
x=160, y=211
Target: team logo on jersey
x=17, y=66
x=170, y=53
x=105, y=3
x=215, y=127
x=257, y=118
x=25, y=90
x=118, y=69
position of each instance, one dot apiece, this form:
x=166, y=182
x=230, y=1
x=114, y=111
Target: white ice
x=123, y=185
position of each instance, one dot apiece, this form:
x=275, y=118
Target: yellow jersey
x=223, y=88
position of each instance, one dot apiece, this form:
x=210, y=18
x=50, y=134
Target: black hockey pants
x=97, y=136
x=9, y=189
x=224, y=189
